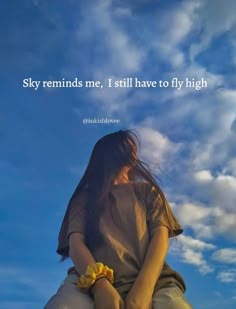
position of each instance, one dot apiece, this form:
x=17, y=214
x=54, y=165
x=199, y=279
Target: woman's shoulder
x=79, y=199
x=142, y=189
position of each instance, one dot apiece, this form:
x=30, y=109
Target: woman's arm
x=140, y=295
x=105, y=295
x=79, y=253
x=82, y=257
x=154, y=259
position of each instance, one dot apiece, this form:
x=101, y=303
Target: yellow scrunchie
x=93, y=272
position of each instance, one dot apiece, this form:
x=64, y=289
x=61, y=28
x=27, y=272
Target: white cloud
x=228, y=96
x=155, y=146
x=121, y=54
x=216, y=145
x=226, y=255
x=227, y=276
x=202, y=230
x=224, y=188
x=118, y=55
x=231, y=167
x=171, y=35
x=207, y=222
x=215, y=18
x=191, y=250
x=191, y=214
x=203, y=176
x=221, y=188
x=196, y=258
x=191, y=243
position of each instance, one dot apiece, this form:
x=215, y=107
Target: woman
x=118, y=216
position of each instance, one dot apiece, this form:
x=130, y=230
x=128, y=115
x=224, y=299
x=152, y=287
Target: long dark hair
x=110, y=154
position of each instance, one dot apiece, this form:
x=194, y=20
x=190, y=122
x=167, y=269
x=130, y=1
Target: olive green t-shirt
x=125, y=233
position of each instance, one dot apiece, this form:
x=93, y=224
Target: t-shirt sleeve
x=157, y=213
x=74, y=221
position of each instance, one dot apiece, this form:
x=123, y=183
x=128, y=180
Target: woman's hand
x=106, y=296
x=140, y=295
x=139, y=298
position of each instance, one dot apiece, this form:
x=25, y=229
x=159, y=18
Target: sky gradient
x=190, y=134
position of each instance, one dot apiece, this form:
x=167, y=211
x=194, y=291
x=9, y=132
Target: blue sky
x=191, y=134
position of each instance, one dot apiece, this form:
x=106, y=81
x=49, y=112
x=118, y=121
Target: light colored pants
x=68, y=296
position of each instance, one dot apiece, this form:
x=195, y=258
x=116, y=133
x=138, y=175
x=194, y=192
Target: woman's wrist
x=99, y=285
x=143, y=284
x=95, y=272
